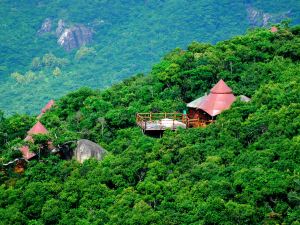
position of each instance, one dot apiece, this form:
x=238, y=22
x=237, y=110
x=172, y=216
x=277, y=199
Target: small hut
x=204, y=110
x=38, y=128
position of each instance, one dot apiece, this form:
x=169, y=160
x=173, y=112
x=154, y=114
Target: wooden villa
x=204, y=110
x=201, y=112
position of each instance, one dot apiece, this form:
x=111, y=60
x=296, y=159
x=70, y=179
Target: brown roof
x=38, y=128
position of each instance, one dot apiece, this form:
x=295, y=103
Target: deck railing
x=149, y=117
x=153, y=121
x=143, y=118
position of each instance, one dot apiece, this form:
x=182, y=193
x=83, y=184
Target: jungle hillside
x=48, y=48
x=242, y=169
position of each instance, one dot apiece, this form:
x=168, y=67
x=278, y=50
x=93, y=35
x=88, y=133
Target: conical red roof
x=38, y=128
x=214, y=104
x=27, y=154
x=219, y=99
x=221, y=88
x=48, y=106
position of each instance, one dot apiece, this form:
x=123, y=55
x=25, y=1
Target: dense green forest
x=128, y=38
x=243, y=169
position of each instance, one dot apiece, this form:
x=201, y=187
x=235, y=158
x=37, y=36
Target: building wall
x=198, y=114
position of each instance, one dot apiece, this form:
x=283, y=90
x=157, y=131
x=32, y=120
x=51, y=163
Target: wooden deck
x=160, y=121
x=163, y=121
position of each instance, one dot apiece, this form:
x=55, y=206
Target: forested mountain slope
x=243, y=169
x=127, y=38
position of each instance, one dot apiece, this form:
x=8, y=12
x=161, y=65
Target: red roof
x=26, y=152
x=48, y=106
x=274, y=29
x=38, y=128
x=221, y=88
x=219, y=99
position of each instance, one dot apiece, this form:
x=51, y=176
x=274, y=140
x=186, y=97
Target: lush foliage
x=129, y=36
x=243, y=169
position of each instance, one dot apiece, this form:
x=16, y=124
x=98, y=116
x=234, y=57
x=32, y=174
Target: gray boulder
x=87, y=149
x=74, y=37
x=244, y=98
x=61, y=25
x=46, y=26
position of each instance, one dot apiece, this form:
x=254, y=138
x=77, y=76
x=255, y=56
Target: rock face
x=75, y=37
x=87, y=149
x=68, y=36
x=46, y=26
x=259, y=18
x=61, y=25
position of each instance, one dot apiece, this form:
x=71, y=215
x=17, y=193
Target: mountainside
x=242, y=169
x=40, y=56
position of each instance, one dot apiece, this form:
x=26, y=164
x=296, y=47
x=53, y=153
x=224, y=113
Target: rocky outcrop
x=68, y=36
x=87, y=149
x=75, y=37
x=259, y=18
x=46, y=26
x=61, y=25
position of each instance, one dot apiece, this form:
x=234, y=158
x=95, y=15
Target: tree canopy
x=242, y=169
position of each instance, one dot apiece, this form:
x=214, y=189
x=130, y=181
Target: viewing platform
x=163, y=121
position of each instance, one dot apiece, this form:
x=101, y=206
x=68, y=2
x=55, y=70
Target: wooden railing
x=154, y=121
x=143, y=118
x=198, y=122
x=149, y=117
